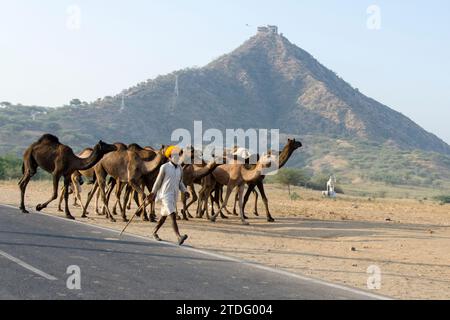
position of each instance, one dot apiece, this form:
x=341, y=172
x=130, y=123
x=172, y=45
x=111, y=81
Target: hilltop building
x=268, y=29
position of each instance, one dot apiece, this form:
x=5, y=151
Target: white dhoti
x=168, y=205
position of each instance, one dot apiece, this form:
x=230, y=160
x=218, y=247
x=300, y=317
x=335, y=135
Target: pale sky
x=47, y=60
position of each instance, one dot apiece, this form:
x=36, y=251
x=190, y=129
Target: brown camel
x=94, y=189
x=59, y=160
x=125, y=166
x=284, y=156
x=146, y=154
x=193, y=172
x=235, y=174
x=291, y=146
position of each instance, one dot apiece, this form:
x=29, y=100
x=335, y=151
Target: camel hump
x=48, y=138
x=135, y=146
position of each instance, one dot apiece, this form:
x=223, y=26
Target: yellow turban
x=170, y=150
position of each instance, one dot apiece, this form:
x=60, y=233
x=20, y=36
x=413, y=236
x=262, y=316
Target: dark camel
x=125, y=166
x=59, y=160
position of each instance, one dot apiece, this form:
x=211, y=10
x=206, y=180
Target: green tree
x=75, y=102
x=291, y=177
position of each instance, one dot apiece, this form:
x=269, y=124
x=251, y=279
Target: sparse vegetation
x=291, y=177
x=11, y=169
x=443, y=199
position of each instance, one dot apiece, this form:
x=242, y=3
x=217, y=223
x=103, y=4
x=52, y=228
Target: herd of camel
x=128, y=169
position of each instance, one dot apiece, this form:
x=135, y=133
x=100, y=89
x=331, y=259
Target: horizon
x=93, y=69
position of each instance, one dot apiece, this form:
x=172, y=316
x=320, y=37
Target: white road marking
x=27, y=266
x=219, y=256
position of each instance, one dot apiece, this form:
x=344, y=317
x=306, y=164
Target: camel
x=193, y=172
x=284, y=156
x=235, y=175
x=146, y=154
x=125, y=166
x=59, y=160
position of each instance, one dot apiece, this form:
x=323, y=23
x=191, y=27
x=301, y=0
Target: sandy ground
x=409, y=240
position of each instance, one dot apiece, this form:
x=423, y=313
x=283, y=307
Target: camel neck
x=154, y=164
x=89, y=162
x=285, y=154
x=253, y=174
x=204, y=171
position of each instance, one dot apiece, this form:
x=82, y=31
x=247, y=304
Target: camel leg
x=260, y=186
x=118, y=193
x=97, y=203
x=136, y=200
x=250, y=189
x=111, y=186
x=66, y=198
x=136, y=186
x=193, y=200
x=89, y=198
x=208, y=195
x=224, y=204
x=127, y=197
x=201, y=195
x=236, y=199
x=218, y=203
x=29, y=170
x=183, y=211
x=241, y=203
x=61, y=198
x=221, y=199
x=213, y=200
x=76, y=190
x=255, y=210
x=23, y=186
x=149, y=185
x=129, y=201
x=56, y=177
x=101, y=186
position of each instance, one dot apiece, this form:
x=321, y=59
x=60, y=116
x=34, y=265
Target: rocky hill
x=267, y=82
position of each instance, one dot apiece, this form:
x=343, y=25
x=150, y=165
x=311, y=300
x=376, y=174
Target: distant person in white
x=166, y=189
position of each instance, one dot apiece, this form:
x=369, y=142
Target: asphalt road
x=36, y=251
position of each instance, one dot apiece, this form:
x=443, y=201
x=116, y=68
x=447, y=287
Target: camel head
x=104, y=148
x=294, y=145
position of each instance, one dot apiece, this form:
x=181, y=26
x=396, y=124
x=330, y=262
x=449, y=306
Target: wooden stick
x=143, y=205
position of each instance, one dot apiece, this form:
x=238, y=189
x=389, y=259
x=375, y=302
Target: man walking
x=166, y=188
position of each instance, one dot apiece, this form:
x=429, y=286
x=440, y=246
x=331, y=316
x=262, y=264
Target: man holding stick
x=166, y=188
